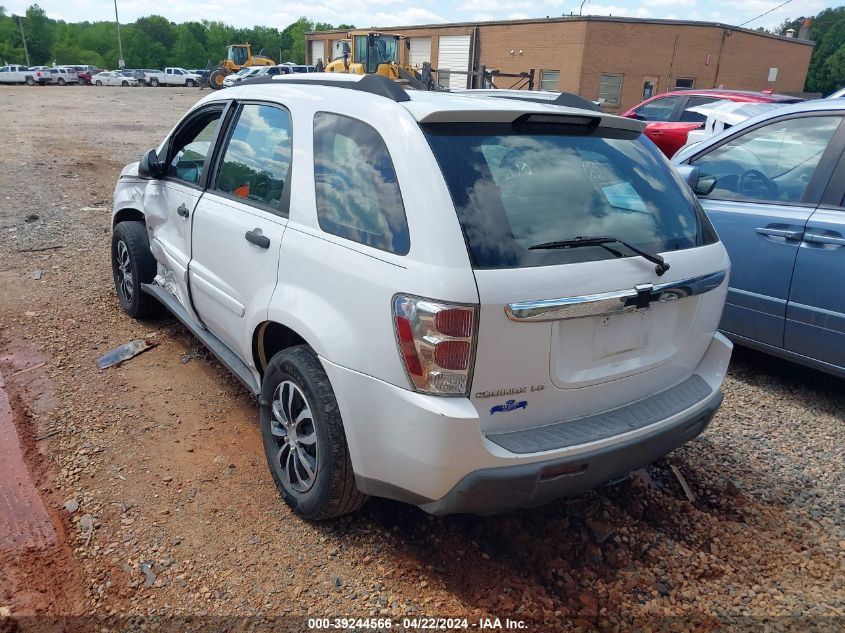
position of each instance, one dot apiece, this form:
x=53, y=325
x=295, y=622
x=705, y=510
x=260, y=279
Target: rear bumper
x=430, y=451
x=493, y=490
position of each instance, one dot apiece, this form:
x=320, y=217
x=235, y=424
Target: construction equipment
x=373, y=53
x=237, y=56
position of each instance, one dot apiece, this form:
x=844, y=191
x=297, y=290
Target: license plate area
x=621, y=333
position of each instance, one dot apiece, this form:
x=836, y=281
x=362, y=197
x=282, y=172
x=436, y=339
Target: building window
x=610, y=89
x=684, y=84
x=549, y=80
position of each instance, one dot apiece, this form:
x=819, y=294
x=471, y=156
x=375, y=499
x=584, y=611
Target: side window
x=5, y=69
x=358, y=195
x=257, y=160
x=659, y=109
x=771, y=163
x=191, y=146
x=695, y=117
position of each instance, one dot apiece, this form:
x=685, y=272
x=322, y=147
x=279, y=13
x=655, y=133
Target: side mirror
x=149, y=165
x=690, y=174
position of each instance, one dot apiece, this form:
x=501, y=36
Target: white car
x=172, y=76
x=243, y=73
x=113, y=78
x=467, y=304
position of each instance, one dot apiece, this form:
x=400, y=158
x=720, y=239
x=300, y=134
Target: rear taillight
x=437, y=343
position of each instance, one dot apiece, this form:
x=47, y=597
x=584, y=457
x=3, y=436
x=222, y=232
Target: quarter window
x=357, y=192
x=191, y=146
x=257, y=161
x=773, y=163
x=610, y=89
x=549, y=80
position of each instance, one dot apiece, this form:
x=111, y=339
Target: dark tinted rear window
x=513, y=189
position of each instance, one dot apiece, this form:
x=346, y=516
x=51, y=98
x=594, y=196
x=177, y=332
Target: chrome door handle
x=816, y=238
x=254, y=237
x=183, y=210
x=787, y=233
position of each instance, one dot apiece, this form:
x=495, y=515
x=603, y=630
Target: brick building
x=619, y=59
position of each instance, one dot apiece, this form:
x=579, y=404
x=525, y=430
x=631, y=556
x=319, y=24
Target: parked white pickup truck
x=172, y=77
x=19, y=75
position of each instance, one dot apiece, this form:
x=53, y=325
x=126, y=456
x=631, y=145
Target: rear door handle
x=254, y=237
x=816, y=238
x=183, y=210
x=787, y=233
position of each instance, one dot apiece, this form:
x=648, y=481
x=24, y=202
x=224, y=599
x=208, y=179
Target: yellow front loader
x=238, y=56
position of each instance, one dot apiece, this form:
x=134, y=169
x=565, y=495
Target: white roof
x=433, y=107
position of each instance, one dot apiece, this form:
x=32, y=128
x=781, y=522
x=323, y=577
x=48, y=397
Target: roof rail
x=374, y=84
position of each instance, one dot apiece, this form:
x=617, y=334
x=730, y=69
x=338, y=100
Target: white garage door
x=420, y=51
x=318, y=51
x=453, y=54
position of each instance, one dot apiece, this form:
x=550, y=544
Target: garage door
x=318, y=51
x=420, y=50
x=453, y=54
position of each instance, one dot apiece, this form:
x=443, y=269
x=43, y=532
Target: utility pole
x=120, y=63
x=23, y=37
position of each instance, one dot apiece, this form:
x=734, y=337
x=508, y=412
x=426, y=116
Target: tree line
x=827, y=65
x=149, y=42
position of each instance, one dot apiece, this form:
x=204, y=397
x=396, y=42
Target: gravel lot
x=177, y=515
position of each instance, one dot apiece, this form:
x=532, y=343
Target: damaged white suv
x=464, y=303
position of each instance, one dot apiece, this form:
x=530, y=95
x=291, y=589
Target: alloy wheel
x=124, y=272
x=294, y=437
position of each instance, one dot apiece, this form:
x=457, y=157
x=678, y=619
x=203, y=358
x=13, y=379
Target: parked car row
x=251, y=72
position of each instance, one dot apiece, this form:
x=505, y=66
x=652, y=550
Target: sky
x=365, y=13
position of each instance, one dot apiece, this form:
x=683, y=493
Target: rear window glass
x=515, y=189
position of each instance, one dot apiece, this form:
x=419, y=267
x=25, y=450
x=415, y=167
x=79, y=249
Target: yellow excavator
x=373, y=53
x=237, y=56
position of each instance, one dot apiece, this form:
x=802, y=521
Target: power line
x=766, y=13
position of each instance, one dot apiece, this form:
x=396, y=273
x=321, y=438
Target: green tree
x=40, y=33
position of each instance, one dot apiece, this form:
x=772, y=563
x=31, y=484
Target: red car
x=669, y=118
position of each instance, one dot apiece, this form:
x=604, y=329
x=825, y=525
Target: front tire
x=215, y=79
x=99, y=83
x=304, y=441
x=190, y=83
x=133, y=264
x=125, y=84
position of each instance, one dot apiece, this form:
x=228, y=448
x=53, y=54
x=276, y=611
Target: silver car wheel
x=294, y=437
x=124, y=272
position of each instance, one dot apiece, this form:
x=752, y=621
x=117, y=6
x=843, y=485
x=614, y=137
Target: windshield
x=513, y=189
x=237, y=54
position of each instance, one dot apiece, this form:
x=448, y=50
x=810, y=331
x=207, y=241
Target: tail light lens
x=436, y=341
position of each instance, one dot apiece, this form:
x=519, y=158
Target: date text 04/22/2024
x=419, y=623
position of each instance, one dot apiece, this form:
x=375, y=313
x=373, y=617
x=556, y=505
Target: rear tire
x=304, y=441
x=154, y=83
x=61, y=81
x=133, y=264
x=30, y=81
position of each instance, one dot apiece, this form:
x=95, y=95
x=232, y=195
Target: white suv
x=467, y=304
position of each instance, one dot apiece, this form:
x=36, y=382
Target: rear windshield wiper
x=660, y=268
